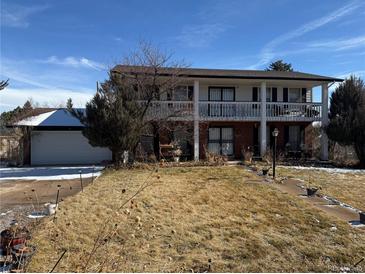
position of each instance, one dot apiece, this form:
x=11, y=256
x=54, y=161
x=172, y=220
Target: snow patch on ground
x=339, y=203
x=49, y=173
x=356, y=224
x=36, y=215
x=327, y=169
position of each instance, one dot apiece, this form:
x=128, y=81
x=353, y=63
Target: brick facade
x=243, y=135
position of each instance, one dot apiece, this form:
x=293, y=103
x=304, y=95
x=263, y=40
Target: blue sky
x=52, y=50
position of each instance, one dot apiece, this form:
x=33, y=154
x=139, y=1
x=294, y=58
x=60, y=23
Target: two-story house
x=234, y=109
x=226, y=111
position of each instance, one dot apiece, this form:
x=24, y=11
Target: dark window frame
x=221, y=99
x=221, y=88
x=221, y=141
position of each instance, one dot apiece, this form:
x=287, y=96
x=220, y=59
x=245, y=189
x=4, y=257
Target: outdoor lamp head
x=275, y=133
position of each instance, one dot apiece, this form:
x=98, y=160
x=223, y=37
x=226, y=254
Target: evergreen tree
x=69, y=103
x=279, y=65
x=7, y=117
x=113, y=118
x=347, y=116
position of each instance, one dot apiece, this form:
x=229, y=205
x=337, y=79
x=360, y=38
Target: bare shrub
x=215, y=158
x=247, y=154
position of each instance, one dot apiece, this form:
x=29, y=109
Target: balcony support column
x=324, y=123
x=263, y=120
x=196, y=120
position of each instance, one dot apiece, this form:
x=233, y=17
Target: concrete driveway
x=26, y=190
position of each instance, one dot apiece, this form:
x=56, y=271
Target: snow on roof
x=35, y=120
x=59, y=117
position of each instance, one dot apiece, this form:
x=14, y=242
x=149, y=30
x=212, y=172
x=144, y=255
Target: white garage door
x=64, y=147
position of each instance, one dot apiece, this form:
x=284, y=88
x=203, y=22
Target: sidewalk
x=297, y=188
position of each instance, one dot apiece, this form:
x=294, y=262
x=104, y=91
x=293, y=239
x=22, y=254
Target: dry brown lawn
x=215, y=219
x=346, y=187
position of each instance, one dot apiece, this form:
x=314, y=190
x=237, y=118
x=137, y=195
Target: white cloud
x=18, y=16
x=345, y=75
x=12, y=97
x=340, y=44
x=200, y=35
x=74, y=62
x=51, y=88
x=358, y=73
x=268, y=52
x=14, y=74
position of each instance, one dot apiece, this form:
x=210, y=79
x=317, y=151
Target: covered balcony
x=235, y=111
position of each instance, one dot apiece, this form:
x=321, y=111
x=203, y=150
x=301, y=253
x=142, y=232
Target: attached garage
x=56, y=139
x=64, y=147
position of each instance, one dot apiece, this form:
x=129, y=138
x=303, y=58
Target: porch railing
x=282, y=111
x=229, y=110
x=235, y=111
x=170, y=109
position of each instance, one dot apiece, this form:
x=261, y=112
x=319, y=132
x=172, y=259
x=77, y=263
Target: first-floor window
x=220, y=140
x=296, y=137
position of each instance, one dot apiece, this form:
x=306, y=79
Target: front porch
x=232, y=139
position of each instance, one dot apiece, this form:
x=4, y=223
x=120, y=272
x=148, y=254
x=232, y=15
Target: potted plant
x=177, y=152
x=311, y=191
x=311, y=188
x=265, y=170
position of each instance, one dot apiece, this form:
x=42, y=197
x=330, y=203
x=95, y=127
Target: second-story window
x=271, y=94
x=221, y=94
x=181, y=93
x=218, y=95
x=295, y=95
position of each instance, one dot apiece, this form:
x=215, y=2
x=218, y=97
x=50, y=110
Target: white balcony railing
x=174, y=110
x=229, y=110
x=279, y=111
x=235, y=111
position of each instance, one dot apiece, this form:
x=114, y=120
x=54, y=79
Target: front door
x=221, y=141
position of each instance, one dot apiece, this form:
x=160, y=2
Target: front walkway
x=320, y=201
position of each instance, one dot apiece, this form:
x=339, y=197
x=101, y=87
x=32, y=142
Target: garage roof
x=60, y=118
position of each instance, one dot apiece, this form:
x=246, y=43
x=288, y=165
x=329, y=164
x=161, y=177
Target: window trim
x=221, y=88
x=170, y=95
x=290, y=91
x=221, y=141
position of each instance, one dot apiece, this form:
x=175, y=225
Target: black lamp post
x=275, y=133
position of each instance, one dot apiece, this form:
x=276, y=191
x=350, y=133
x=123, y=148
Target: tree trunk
x=116, y=157
x=360, y=152
x=156, y=142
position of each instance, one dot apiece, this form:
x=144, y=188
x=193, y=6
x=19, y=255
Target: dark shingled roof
x=227, y=73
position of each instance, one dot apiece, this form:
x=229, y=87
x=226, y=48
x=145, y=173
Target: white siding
x=280, y=94
x=64, y=147
x=203, y=93
x=244, y=93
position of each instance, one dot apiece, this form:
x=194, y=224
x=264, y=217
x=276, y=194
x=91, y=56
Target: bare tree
x=4, y=84
x=120, y=112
